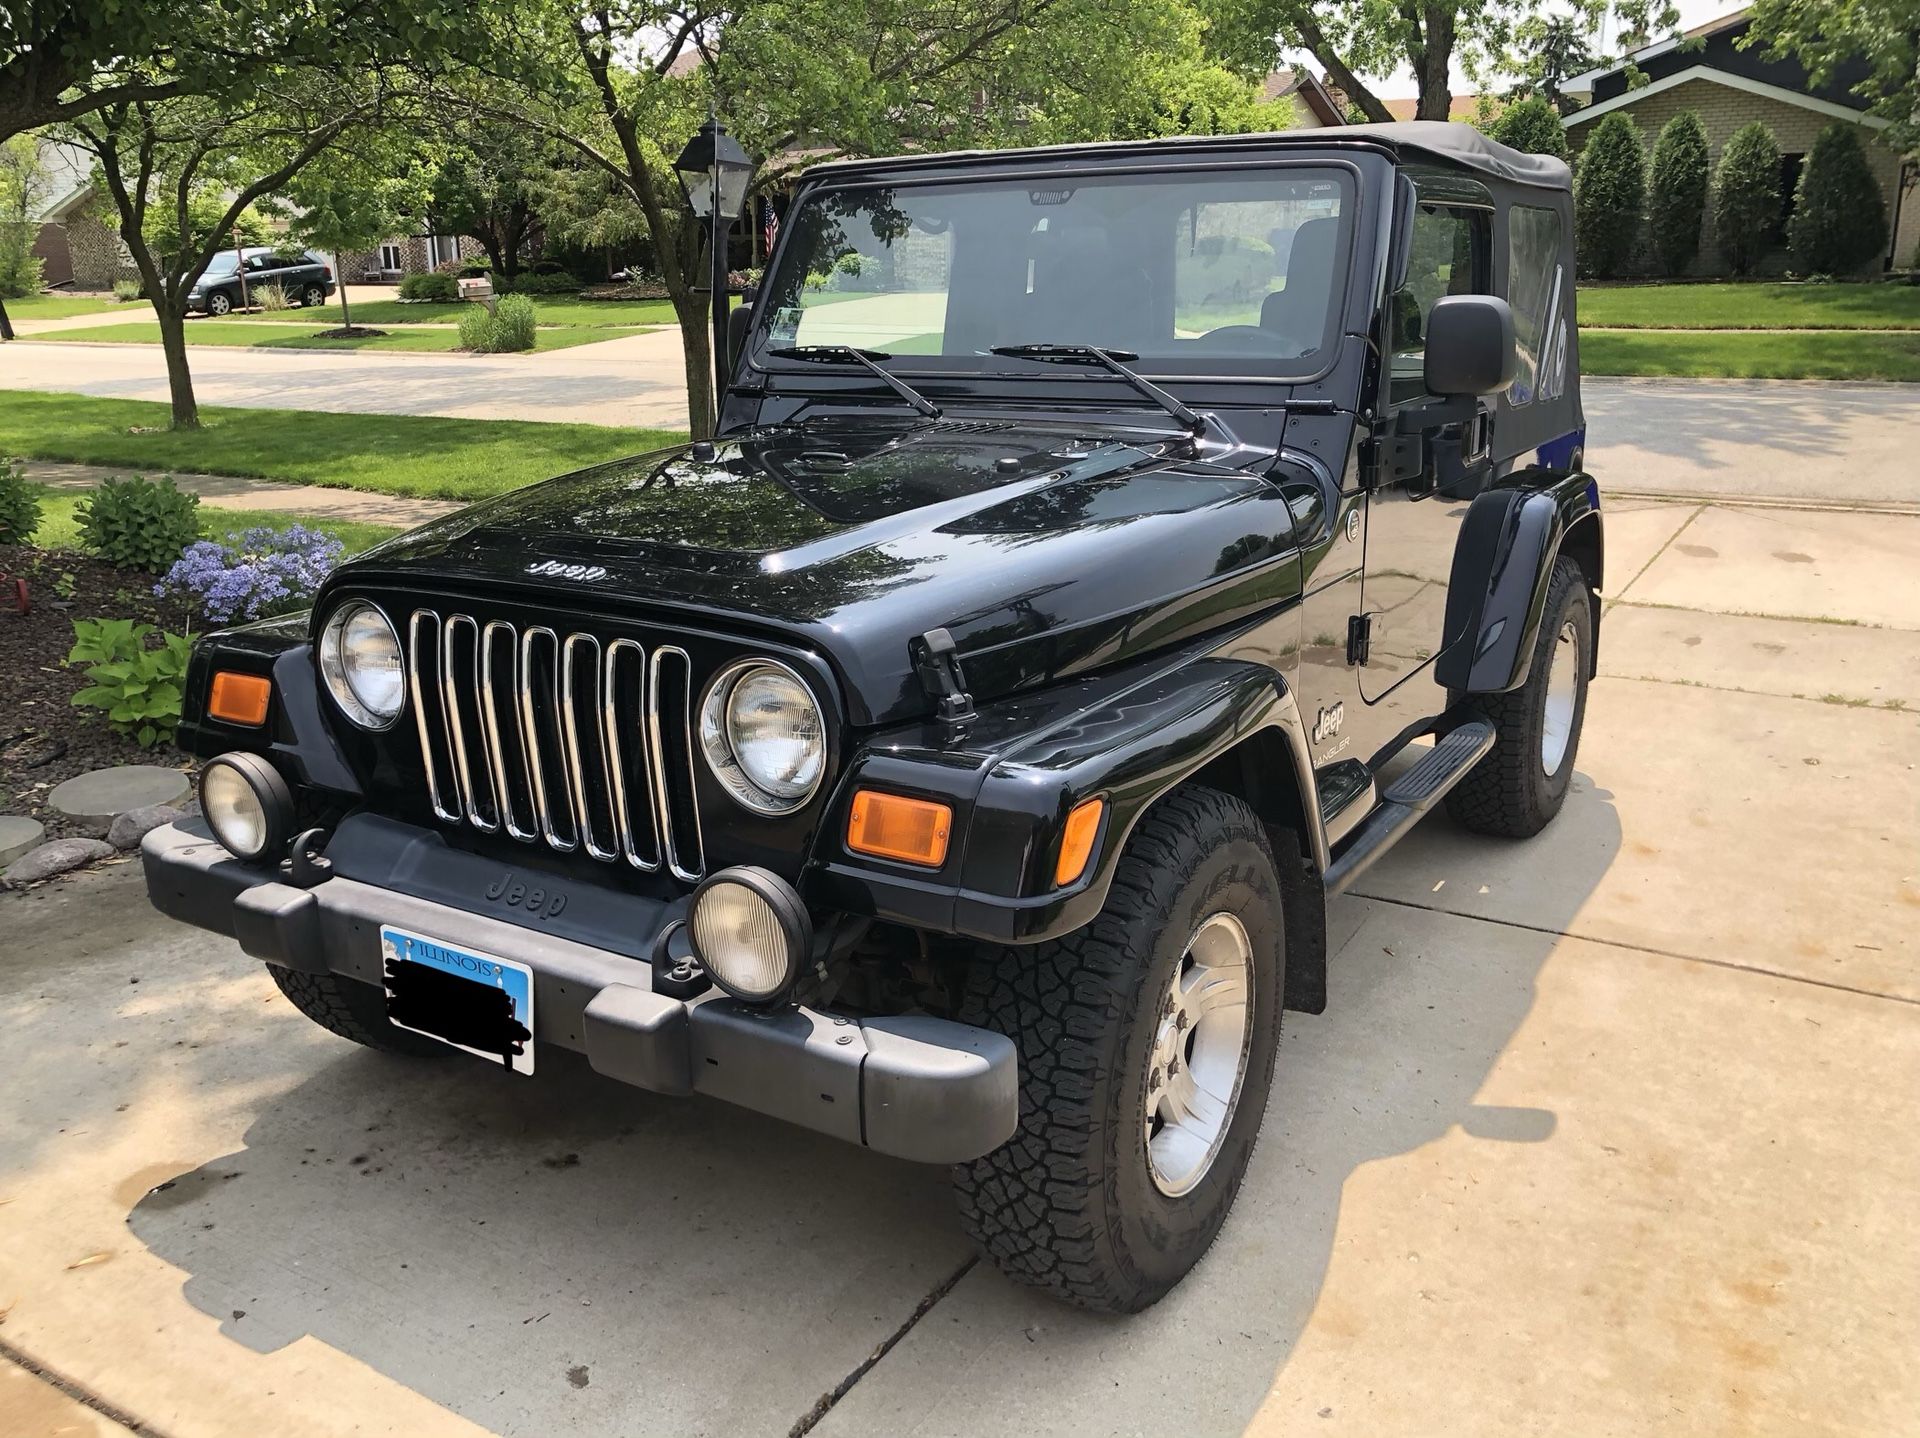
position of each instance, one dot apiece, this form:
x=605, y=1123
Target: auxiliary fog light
x=247, y=805
x=752, y=933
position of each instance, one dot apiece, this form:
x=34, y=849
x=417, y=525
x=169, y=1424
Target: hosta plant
x=136, y=687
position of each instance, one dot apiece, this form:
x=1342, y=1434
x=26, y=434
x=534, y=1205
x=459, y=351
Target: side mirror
x=1469, y=346
x=739, y=320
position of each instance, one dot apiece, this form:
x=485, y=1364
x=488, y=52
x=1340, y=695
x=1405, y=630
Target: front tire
x=218, y=304
x=352, y=1010
x=1147, y=1043
x=1518, y=788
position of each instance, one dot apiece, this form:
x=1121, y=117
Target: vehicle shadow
x=567, y=1253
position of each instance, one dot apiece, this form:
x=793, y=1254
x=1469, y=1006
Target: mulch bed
x=43, y=738
x=351, y=332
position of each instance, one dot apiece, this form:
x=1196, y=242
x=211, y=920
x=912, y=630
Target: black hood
x=1044, y=548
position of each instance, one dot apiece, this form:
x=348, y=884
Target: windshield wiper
x=1112, y=360
x=847, y=354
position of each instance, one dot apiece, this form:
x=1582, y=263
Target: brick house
x=1707, y=72
x=394, y=259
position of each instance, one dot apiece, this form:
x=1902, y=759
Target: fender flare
x=1502, y=566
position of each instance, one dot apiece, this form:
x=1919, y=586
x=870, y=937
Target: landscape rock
x=56, y=858
x=101, y=796
x=128, y=829
x=17, y=836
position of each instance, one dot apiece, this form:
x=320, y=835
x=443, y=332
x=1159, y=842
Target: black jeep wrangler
x=1107, y=554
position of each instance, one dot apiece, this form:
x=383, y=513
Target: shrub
x=1746, y=197
x=432, y=286
x=253, y=574
x=476, y=329
x=269, y=297
x=1533, y=126
x=509, y=327
x=19, y=504
x=537, y=284
x=1839, y=222
x=127, y=291
x=1607, y=196
x=1677, y=196
x=139, y=523
x=136, y=687
x=21, y=270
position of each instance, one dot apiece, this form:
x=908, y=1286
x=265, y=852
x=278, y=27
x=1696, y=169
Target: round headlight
x=360, y=662
x=763, y=738
x=751, y=931
x=247, y=805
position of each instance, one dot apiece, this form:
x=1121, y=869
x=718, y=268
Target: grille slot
x=558, y=739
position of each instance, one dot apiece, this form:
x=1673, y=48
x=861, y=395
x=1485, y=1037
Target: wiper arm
x=1114, y=361
x=847, y=354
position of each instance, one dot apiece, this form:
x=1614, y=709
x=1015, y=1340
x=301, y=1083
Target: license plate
x=478, y=1002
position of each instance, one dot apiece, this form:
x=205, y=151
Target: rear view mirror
x=1469, y=346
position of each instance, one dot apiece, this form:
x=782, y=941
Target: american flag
x=770, y=231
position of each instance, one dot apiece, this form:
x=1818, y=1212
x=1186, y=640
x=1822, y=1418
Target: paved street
x=1605, y=1133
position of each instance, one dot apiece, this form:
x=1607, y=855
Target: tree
x=1609, y=189
x=825, y=77
x=1534, y=126
x=353, y=195
x=487, y=186
x=23, y=189
x=1677, y=199
x=1356, y=38
x=1882, y=35
x=1746, y=197
x=1549, y=50
x=183, y=172
x=1839, y=222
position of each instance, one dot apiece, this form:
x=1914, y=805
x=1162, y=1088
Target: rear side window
x=1536, y=289
x=1447, y=255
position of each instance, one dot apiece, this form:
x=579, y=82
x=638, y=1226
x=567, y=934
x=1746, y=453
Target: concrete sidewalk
x=221, y=491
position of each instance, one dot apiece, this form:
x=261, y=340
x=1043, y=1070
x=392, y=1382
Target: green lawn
x=557, y=311
x=1750, y=306
x=1752, y=356
x=388, y=454
x=58, y=307
x=58, y=529
x=249, y=333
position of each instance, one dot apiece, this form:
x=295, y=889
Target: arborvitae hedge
x=1677, y=200
x=1746, y=197
x=1608, y=192
x=1533, y=126
x=1839, y=222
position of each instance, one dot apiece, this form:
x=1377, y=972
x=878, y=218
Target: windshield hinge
x=1359, y=638
x=937, y=659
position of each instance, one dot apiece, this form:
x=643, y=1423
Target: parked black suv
x=303, y=276
x=1109, y=552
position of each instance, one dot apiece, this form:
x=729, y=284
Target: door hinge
x=1359, y=638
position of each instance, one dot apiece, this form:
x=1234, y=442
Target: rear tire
x=352, y=1010
x=1518, y=788
x=1091, y=1200
x=312, y=297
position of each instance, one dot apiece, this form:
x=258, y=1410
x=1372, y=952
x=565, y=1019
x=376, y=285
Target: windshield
x=1196, y=272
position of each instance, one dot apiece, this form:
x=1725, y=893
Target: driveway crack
x=824, y=1404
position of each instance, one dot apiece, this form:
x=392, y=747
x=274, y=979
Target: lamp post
x=713, y=171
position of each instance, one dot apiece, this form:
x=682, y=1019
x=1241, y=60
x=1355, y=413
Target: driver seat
x=1299, y=311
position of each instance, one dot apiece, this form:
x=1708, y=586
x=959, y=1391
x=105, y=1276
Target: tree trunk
x=173, y=341
x=696, y=324
x=346, y=315
x=6, y=325
x=1431, y=61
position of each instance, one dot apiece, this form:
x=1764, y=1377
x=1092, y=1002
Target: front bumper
x=915, y=1087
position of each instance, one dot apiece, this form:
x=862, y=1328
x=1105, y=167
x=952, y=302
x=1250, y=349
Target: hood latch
x=937, y=659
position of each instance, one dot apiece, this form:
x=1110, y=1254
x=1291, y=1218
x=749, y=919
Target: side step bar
x=1408, y=799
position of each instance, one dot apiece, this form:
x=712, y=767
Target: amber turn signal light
x=892, y=826
x=240, y=698
x=1076, y=843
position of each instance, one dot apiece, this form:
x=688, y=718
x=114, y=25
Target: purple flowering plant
x=253, y=574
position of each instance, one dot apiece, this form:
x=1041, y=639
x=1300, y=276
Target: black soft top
x=1445, y=141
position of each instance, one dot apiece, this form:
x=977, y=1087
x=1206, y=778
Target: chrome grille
x=558, y=739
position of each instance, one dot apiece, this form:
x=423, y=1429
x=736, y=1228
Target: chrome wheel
x=1199, y=1057
x=218, y=304
x=1563, y=689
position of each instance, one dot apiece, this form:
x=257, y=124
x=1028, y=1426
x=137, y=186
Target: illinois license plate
x=478, y=1002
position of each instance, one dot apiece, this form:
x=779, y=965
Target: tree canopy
x=1825, y=34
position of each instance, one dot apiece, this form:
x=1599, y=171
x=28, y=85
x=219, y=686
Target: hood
x=1045, y=549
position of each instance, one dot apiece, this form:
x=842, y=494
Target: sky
x=1400, y=85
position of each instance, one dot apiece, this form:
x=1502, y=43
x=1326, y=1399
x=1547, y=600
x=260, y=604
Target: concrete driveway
x=1606, y=1133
